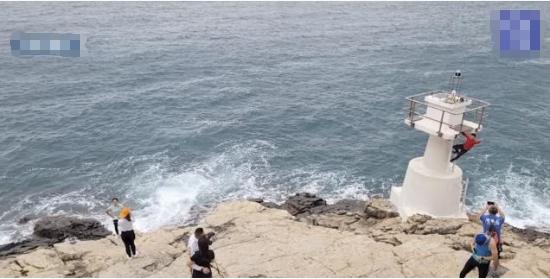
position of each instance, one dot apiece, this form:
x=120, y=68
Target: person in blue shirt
x=492, y=219
x=484, y=250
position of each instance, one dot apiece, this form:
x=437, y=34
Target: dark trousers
x=128, y=238
x=459, y=150
x=115, y=222
x=483, y=268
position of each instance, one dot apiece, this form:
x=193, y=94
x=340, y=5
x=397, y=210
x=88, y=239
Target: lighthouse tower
x=433, y=185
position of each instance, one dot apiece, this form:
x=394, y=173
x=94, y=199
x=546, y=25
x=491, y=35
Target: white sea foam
x=75, y=203
x=162, y=196
x=170, y=201
x=521, y=195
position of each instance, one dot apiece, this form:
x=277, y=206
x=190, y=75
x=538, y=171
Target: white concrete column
x=438, y=154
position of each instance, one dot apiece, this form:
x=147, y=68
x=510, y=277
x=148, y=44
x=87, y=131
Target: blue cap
x=481, y=239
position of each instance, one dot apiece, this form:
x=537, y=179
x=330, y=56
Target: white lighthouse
x=433, y=185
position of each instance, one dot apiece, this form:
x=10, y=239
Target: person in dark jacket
x=203, y=258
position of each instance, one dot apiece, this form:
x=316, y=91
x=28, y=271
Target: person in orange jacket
x=469, y=143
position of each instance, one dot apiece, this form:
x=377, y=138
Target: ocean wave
x=521, y=192
x=160, y=196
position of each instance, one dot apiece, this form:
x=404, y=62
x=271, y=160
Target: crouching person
x=484, y=251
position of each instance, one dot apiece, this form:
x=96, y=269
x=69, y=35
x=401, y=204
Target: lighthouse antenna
x=455, y=81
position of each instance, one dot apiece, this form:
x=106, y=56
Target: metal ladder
x=465, y=183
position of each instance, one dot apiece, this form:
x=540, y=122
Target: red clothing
x=470, y=141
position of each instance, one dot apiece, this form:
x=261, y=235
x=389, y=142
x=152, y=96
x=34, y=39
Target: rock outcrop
x=311, y=239
x=302, y=203
x=58, y=228
x=55, y=229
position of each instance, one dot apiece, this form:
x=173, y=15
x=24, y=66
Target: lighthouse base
x=428, y=192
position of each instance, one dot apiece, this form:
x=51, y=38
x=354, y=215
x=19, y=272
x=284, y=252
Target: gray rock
x=23, y=246
x=424, y=224
x=380, y=209
x=25, y=219
x=51, y=230
x=264, y=203
x=302, y=203
x=258, y=200
x=341, y=207
x=271, y=205
x=419, y=218
x=531, y=235
x=58, y=228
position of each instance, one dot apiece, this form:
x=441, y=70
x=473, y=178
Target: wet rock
x=342, y=207
x=196, y=212
x=302, y=203
x=264, y=203
x=380, y=209
x=258, y=200
x=58, y=228
x=23, y=246
x=27, y=218
x=530, y=235
x=51, y=230
x=271, y=205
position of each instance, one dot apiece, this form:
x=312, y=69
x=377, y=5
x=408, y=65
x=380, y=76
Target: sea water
x=171, y=105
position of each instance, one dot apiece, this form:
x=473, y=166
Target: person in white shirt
x=127, y=232
x=193, y=247
x=113, y=212
x=193, y=242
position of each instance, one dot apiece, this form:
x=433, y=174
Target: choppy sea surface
x=175, y=104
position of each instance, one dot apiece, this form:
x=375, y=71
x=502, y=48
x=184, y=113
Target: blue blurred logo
x=67, y=44
x=516, y=33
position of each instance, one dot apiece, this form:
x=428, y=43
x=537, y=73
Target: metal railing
x=416, y=102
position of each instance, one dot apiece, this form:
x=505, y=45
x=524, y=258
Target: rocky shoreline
x=303, y=237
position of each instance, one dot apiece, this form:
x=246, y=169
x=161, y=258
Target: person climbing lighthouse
x=469, y=143
x=432, y=185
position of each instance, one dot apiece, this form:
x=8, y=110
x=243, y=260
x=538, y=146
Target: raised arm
x=483, y=210
x=500, y=211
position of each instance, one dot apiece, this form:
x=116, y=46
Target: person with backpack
x=492, y=220
x=484, y=250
